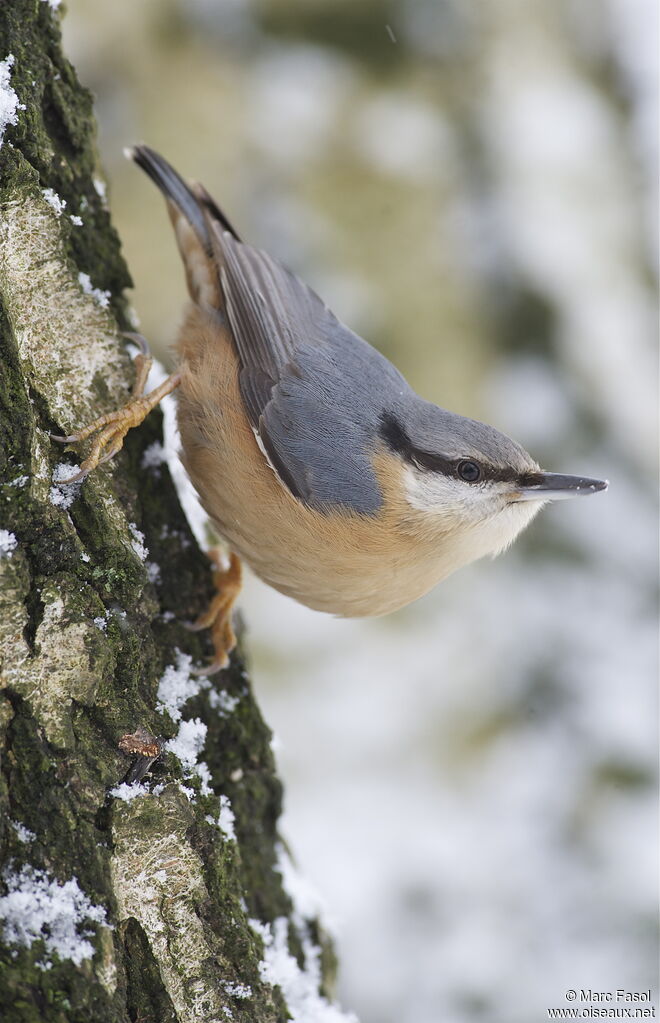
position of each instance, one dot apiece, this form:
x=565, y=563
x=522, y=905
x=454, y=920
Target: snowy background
x=470, y=783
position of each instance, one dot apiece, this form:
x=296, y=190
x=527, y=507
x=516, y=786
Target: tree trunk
x=146, y=903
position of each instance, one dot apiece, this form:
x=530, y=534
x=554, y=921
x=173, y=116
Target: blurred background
x=470, y=783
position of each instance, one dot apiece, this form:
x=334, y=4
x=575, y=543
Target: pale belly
x=328, y=574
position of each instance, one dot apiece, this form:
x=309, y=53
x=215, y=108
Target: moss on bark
x=178, y=894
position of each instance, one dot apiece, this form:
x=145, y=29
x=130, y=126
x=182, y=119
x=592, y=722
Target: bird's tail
x=173, y=187
x=188, y=205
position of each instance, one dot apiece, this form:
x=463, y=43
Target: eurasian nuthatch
x=313, y=457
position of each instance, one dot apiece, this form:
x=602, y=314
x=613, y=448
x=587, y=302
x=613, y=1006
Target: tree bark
x=114, y=909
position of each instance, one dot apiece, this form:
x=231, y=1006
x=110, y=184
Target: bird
x=314, y=459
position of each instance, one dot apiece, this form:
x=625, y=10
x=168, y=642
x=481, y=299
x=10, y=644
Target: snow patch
x=153, y=572
x=129, y=792
x=226, y=819
x=53, y=200
x=177, y=686
x=102, y=297
x=197, y=518
x=36, y=908
x=8, y=543
x=22, y=833
x=64, y=494
x=187, y=744
x=223, y=702
x=153, y=456
x=307, y=902
x=137, y=543
x=9, y=104
x=237, y=990
x=300, y=987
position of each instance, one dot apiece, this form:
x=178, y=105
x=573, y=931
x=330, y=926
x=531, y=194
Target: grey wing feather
x=271, y=312
x=313, y=390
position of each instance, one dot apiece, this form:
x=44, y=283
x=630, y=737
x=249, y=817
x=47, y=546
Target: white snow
x=20, y=481
x=36, y=907
x=153, y=572
x=22, y=833
x=237, y=990
x=187, y=745
x=137, y=543
x=101, y=188
x=300, y=988
x=53, y=4
x=223, y=702
x=307, y=901
x=53, y=199
x=62, y=494
x=128, y=792
x=9, y=104
x=226, y=818
x=197, y=517
x=101, y=621
x=177, y=686
x=8, y=543
x=153, y=456
x=77, y=221
x=102, y=297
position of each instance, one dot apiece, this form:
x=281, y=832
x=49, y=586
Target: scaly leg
x=111, y=428
x=217, y=618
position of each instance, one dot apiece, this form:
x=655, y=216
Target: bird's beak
x=552, y=486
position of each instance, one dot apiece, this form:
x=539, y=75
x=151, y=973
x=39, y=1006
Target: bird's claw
x=195, y=626
x=218, y=616
x=111, y=428
x=64, y=440
x=211, y=669
x=139, y=340
x=80, y=475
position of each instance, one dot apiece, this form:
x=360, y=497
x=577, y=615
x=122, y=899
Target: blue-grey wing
x=314, y=391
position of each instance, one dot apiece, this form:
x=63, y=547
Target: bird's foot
x=218, y=616
x=111, y=428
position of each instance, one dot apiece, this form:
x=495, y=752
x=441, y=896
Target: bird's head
x=467, y=484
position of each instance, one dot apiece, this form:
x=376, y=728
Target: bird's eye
x=469, y=471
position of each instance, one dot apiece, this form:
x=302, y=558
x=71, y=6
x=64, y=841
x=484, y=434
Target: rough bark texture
x=178, y=894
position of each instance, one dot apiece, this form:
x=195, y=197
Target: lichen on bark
x=87, y=631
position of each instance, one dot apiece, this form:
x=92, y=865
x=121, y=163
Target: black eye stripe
x=398, y=441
